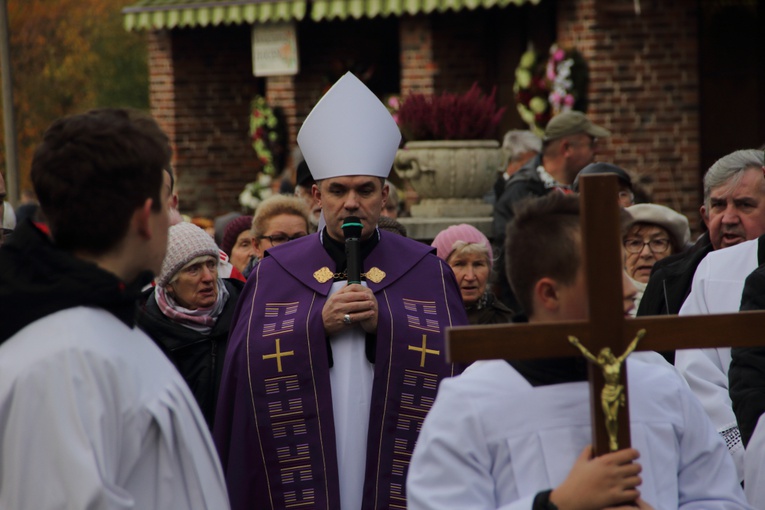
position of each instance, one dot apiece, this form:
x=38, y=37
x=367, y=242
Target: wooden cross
x=607, y=326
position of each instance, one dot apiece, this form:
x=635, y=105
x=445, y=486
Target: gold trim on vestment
x=323, y=275
x=375, y=275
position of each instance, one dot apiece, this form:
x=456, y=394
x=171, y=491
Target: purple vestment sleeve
x=274, y=424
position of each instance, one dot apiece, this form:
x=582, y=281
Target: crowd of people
x=300, y=359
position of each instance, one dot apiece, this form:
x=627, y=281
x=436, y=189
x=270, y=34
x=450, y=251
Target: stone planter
x=451, y=177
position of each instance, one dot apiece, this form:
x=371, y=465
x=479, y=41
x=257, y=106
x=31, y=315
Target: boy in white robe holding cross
x=515, y=435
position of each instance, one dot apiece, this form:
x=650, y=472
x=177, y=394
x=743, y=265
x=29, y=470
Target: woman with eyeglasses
x=277, y=220
x=654, y=233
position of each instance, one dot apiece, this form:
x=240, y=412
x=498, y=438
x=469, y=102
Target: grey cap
x=572, y=122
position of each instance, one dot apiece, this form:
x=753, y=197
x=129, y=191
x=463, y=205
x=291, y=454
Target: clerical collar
x=336, y=249
x=543, y=372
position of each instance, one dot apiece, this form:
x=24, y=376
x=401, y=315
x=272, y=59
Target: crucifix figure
x=607, y=328
x=612, y=395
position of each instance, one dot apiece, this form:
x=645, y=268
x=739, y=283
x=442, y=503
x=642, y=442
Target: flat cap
x=572, y=122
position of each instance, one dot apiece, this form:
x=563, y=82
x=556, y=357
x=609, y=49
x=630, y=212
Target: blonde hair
x=276, y=205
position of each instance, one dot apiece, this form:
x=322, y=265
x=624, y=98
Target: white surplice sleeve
x=97, y=428
x=706, y=370
x=452, y=463
x=706, y=478
x=754, y=466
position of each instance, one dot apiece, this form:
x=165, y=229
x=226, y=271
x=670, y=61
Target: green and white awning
x=159, y=14
x=355, y=9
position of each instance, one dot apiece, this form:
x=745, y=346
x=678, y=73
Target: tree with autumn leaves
x=68, y=56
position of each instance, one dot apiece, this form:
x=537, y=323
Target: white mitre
x=349, y=132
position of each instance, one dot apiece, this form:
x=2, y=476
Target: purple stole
x=283, y=455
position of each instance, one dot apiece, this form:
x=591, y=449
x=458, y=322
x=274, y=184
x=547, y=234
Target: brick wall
x=644, y=87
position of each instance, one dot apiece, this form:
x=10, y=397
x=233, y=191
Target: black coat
x=523, y=184
x=670, y=283
x=492, y=312
x=746, y=377
x=671, y=279
x=197, y=356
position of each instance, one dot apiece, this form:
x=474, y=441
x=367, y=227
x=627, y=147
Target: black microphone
x=352, y=231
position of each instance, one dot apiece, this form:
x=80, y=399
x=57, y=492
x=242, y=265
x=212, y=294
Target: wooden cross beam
x=607, y=326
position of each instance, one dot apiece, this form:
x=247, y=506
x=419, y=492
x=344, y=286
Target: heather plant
x=468, y=116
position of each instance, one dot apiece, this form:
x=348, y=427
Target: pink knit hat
x=444, y=241
x=185, y=242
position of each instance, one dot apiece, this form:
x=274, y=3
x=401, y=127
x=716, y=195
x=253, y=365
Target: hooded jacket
x=38, y=279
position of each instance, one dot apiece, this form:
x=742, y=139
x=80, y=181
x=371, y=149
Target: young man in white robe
x=514, y=435
x=92, y=414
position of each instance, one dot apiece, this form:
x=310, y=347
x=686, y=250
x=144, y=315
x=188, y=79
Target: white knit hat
x=185, y=242
x=349, y=132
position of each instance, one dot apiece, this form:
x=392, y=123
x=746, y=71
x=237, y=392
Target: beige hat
x=349, y=132
x=669, y=219
x=572, y=122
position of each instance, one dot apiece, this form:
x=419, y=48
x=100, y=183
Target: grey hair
x=728, y=170
x=464, y=247
x=518, y=141
x=393, y=197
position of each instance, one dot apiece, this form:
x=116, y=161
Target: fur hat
x=233, y=229
x=444, y=241
x=185, y=242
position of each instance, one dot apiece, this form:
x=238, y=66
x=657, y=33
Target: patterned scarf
x=201, y=320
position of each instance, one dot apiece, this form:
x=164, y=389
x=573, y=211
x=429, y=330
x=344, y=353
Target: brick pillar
x=280, y=92
x=418, y=70
x=161, y=90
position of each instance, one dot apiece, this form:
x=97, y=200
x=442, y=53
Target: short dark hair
x=542, y=241
x=93, y=170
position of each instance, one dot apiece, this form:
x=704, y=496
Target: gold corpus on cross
x=278, y=355
x=612, y=396
x=424, y=349
x=607, y=326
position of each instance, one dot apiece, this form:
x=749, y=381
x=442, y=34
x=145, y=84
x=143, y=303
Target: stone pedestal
x=426, y=229
x=451, y=208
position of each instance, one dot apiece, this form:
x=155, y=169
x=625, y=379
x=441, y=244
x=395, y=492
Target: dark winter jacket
x=490, y=312
x=671, y=278
x=37, y=279
x=197, y=356
x=523, y=184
